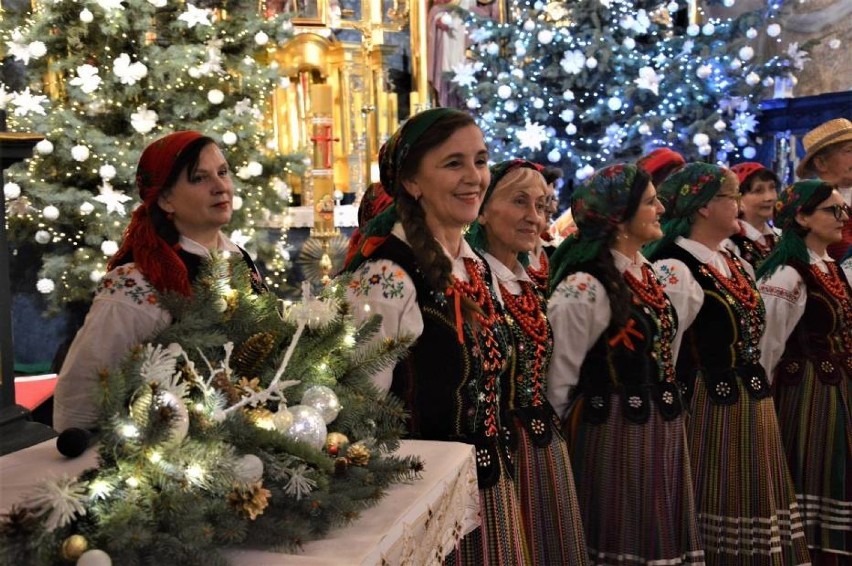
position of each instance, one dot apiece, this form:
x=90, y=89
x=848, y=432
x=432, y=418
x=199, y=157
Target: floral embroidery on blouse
x=780, y=292
x=667, y=274
x=390, y=281
x=578, y=285
x=127, y=281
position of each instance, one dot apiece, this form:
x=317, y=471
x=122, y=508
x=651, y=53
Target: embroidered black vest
x=722, y=344
x=443, y=384
x=626, y=361
x=821, y=337
x=751, y=251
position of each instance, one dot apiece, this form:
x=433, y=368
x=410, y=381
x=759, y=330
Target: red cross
x=323, y=139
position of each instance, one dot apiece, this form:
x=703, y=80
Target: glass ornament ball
x=11, y=191
x=42, y=237
x=504, y=91
x=324, y=400
x=282, y=419
x=249, y=469
x=749, y=152
x=86, y=16
x=308, y=426
x=50, y=212
x=44, y=147
x=94, y=557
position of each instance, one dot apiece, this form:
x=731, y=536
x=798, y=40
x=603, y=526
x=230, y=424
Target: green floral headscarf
x=392, y=156
x=599, y=205
x=683, y=193
x=791, y=245
x=475, y=235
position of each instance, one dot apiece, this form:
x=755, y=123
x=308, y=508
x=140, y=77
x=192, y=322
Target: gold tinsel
x=251, y=500
x=253, y=353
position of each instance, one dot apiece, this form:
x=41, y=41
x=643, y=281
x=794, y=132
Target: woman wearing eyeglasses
x=747, y=510
x=807, y=347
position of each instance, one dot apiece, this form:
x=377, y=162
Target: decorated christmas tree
x=103, y=78
x=251, y=423
x=581, y=84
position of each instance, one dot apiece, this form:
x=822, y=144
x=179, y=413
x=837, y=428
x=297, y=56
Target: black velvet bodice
x=822, y=336
x=722, y=344
x=626, y=361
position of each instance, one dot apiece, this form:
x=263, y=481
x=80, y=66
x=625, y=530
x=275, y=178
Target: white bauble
x=704, y=150
x=86, y=16
x=746, y=53
x=570, y=129
x=644, y=129
x=504, y=91
x=614, y=103
x=703, y=71
x=96, y=275
x=492, y=48
x=773, y=30
x=510, y=106
x=261, y=38
x=545, y=36
x=42, y=236
x=752, y=79
x=87, y=208
x=735, y=65
x=668, y=125
x=749, y=152
x=720, y=125
x=708, y=29
x=50, y=212
x=44, y=147
x=324, y=400
x=591, y=62
x=308, y=426
x=11, y=191
x=229, y=138
x=538, y=103
x=554, y=156
x=216, y=96
x=237, y=202
x=529, y=25
x=700, y=139
x=80, y=153
x=768, y=81
x=249, y=469
x=255, y=168
x=94, y=557
x=751, y=33
x=692, y=30
x=109, y=247
x=107, y=172
x=45, y=286
x=629, y=43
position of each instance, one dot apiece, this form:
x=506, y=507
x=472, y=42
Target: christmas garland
x=248, y=422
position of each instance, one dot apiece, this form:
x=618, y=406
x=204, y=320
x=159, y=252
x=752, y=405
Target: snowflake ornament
x=465, y=73
x=798, y=58
x=532, y=136
x=87, y=78
x=128, y=73
x=61, y=499
x=195, y=16
x=27, y=102
x=648, y=79
x=113, y=200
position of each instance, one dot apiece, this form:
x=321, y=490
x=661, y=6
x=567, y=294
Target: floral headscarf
x=392, y=156
x=476, y=233
x=683, y=193
x=791, y=245
x=599, y=205
x=153, y=256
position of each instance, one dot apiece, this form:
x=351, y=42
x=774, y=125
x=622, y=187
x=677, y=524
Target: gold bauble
x=335, y=440
x=73, y=547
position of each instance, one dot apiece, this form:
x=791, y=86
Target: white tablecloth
x=414, y=523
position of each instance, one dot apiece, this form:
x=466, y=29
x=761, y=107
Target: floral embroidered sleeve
x=683, y=291
x=579, y=312
x=784, y=296
x=124, y=313
x=383, y=287
x=847, y=268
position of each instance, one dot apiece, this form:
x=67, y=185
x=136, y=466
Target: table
x=415, y=523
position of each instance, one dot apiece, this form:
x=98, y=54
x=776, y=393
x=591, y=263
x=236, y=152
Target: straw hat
x=824, y=135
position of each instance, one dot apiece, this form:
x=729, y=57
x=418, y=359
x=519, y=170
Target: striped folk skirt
x=545, y=486
x=816, y=428
x=501, y=539
x=634, y=486
x=747, y=509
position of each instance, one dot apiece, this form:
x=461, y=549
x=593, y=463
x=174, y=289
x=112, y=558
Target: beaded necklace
x=540, y=276
x=836, y=287
x=738, y=284
x=532, y=334
x=744, y=300
x=649, y=293
x=490, y=343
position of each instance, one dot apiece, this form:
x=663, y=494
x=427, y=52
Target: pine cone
x=253, y=353
x=358, y=454
x=18, y=523
x=251, y=500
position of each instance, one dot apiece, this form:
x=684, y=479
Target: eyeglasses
x=733, y=196
x=838, y=210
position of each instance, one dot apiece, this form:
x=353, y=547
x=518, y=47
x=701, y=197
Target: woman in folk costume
x=612, y=378
x=759, y=191
x=187, y=192
x=747, y=509
x=807, y=348
x=415, y=269
x=510, y=220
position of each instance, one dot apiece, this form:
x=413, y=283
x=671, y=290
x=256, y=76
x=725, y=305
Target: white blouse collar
x=195, y=248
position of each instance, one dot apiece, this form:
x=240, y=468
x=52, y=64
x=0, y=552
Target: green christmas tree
x=251, y=423
x=581, y=84
x=102, y=79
